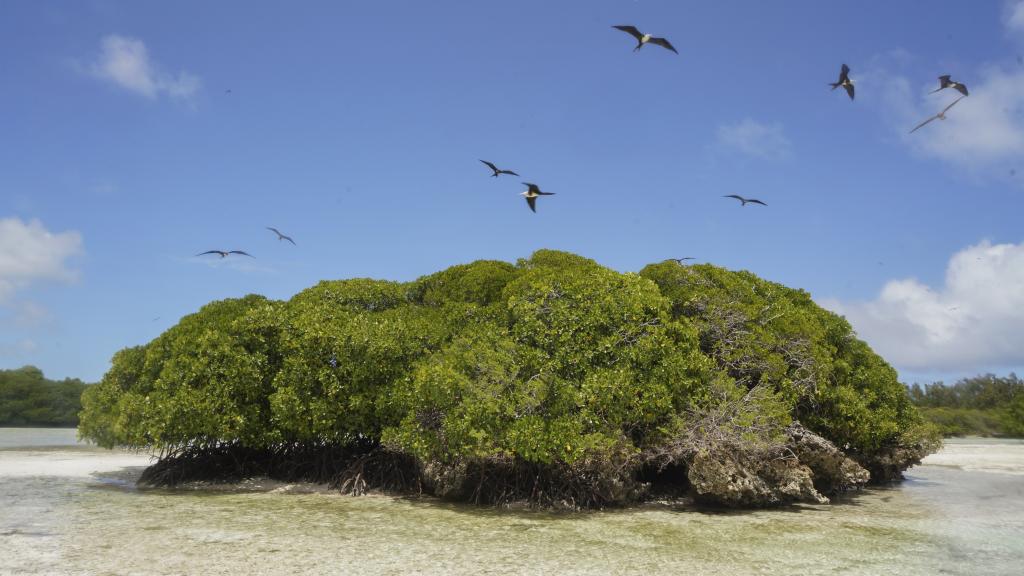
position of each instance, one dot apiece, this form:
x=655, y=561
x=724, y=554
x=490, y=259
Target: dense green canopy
x=554, y=361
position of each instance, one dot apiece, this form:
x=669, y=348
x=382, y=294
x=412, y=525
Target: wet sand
x=75, y=510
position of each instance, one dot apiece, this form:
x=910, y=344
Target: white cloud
x=973, y=323
x=756, y=139
x=125, y=62
x=29, y=253
x=1015, y=18
x=984, y=131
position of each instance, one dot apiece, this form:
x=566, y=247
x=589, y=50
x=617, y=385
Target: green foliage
x=29, y=399
x=554, y=361
x=765, y=334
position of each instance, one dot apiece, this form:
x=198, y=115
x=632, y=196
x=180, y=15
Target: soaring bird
x=497, y=171
x=279, y=235
x=844, y=81
x=224, y=253
x=531, y=194
x=745, y=201
x=642, y=38
x=945, y=82
x=939, y=116
x=681, y=260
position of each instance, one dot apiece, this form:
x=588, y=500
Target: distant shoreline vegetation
x=30, y=400
x=554, y=382
x=985, y=405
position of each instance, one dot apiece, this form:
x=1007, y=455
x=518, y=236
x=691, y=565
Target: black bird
x=680, y=260
x=642, y=38
x=745, y=201
x=844, y=81
x=945, y=82
x=939, y=116
x=280, y=236
x=497, y=171
x=228, y=91
x=224, y=253
x=532, y=193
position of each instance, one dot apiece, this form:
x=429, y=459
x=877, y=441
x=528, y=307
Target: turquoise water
x=75, y=510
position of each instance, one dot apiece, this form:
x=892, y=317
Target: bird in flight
x=681, y=260
x=744, y=201
x=939, y=116
x=945, y=82
x=844, y=81
x=531, y=194
x=642, y=38
x=224, y=253
x=279, y=235
x=497, y=171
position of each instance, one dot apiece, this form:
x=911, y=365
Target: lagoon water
x=68, y=508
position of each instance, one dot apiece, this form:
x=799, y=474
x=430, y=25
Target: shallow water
x=73, y=509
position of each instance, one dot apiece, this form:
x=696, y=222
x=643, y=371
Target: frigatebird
x=642, y=38
x=744, y=201
x=279, y=235
x=224, y=253
x=945, y=82
x=939, y=116
x=844, y=81
x=497, y=171
x=680, y=260
x=531, y=194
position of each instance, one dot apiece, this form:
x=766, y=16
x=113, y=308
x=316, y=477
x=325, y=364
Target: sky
x=138, y=134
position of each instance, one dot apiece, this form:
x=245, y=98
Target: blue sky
x=356, y=128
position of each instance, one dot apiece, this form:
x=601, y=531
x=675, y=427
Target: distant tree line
x=29, y=399
x=986, y=405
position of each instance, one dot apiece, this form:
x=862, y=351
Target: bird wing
x=736, y=196
x=664, y=44
x=951, y=104
x=209, y=252
x=532, y=201
x=539, y=193
x=533, y=188
x=489, y=165
x=240, y=252
x=849, y=89
x=923, y=123
x=752, y=201
x=961, y=88
x=274, y=230
x=944, y=80
x=288, y=238
x=844, y=73
x=507, y=172
x=631, y=30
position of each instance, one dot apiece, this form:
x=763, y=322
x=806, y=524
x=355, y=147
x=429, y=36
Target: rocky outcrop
x=807, y=468
x=833, y=471
x=724, y=478
x=888, y=464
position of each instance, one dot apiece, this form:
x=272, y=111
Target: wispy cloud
x=983, y=132
x=125, y=62
x=974, y=322
x=1015, y=16
x=30, y=253
x=758, y=139
x=18, y=349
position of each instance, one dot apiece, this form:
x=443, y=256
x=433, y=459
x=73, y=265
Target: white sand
x=980, y=455
x=68, y=464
